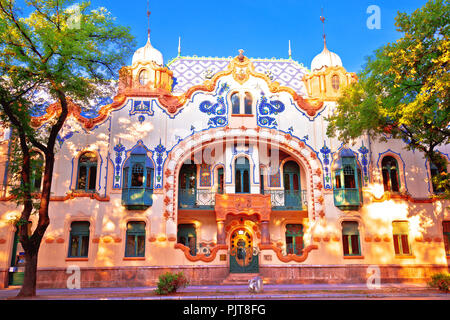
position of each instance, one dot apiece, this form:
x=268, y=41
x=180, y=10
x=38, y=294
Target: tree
x=68, y=51
x=404, y=89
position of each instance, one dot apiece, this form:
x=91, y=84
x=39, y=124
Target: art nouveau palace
x=222, y=168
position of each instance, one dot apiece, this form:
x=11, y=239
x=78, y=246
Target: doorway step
x=240, y=278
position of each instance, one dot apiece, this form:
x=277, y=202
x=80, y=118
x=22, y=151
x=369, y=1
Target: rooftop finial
x=290, y=51
x=241, y=55
x=148, y=17
x=322, y=18
x=179, y=46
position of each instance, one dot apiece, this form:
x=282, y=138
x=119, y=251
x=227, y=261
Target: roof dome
x=325, y=59
x=147, y=54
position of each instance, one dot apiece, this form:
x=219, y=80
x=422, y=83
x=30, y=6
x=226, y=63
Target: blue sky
x=261, y=27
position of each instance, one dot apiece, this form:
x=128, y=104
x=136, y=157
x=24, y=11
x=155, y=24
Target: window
x=248, y=102
x=347, y=181
x=37, y=167
x=291, y=180
x=187, y=236
x=350, y=238
x=220, y=183
x=236, y=103
x=446, y=228
x=335, y=82
x=390, y=174
x=79, y=239
x=138, y=172
x=135, y=246
x=187, y=191
x=242, y=174
x=144, y=77
x=242, y=99
x=400, y=234
x=137, y=175
x=435, y=173
x=294, y=239
x=87, y=172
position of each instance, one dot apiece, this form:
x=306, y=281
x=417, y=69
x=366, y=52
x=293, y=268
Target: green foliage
x=170, y=282
x=441, y=281
x=62, y=52
x=404, y=89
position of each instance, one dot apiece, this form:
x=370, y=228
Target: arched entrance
x=243, y=256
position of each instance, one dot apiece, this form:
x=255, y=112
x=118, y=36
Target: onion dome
x=325, y=59
x=148, y=54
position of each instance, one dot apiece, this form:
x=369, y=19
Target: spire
x=179, y=46
x=322, y=18
x=148, y=18
x=290, y=51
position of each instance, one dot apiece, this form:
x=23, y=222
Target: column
x=221, y=237
x=265, y=235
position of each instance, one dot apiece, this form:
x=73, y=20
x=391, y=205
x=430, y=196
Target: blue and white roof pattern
x=192, y=71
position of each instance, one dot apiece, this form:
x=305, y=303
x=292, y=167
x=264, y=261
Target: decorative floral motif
x=325, y=151
x=66, y=133
x=159, y=151
x=224, y=87
x=205, y=175
x=141, y=107
x=268, y=108
x=218, y=110
x=275, y=180
x=119, y=148
x=364, y=151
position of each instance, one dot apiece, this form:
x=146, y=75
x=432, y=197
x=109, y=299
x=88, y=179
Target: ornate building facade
x=221, y=167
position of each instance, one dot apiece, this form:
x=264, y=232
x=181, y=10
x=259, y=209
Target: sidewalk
x=234, y=292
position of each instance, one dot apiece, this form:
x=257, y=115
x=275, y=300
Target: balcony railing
x=196, y=199
x=137, y=198
x=287, y=199
x=347, y=199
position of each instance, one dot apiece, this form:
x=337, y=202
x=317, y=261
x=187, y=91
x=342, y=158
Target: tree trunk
x=29, y=282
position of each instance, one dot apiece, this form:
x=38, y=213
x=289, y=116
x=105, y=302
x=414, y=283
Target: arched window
x=248, y=102
x=242, y=174
x=350, y=238
x=390, y=172
x=144, y=77
x=137, y=187
x=435, y=173
x=294, y=239
x=79, y=239
x=187, y=236
x=292, y=188
x=335, y=82
x=220, y=181
x=187, y=191
x=235, y=103
x=347, y=181
x=87, y=172
x=37, y=167
x=135, y=246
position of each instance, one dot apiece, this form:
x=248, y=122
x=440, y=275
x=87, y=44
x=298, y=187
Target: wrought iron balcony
x=288, y=199
x=137, y=198
x=347, y=199
x=196, y=199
